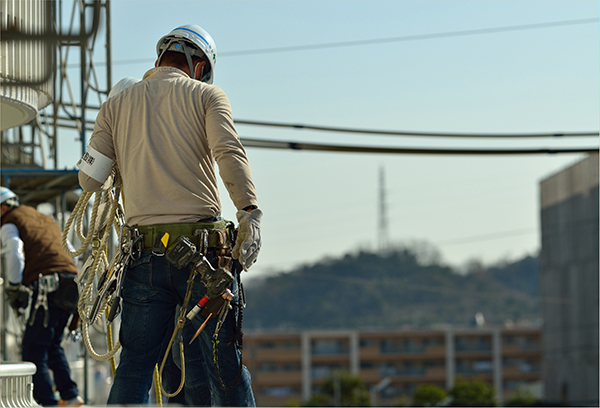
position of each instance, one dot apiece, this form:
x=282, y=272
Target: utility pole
x=383, y=236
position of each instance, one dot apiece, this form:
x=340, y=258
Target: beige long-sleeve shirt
x=165, y=134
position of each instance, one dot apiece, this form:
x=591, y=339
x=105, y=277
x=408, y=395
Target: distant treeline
x=389, y=291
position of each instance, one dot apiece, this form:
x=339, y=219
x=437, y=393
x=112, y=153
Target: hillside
x=371, y=291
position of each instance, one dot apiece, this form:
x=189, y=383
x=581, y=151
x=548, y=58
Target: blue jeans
x=198, y=390
x=41, y=346
x=152, y=289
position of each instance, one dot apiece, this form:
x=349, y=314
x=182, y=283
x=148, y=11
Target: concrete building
x=287, y=367
x=569, y=284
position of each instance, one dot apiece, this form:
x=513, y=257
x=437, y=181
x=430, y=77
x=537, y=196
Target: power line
x=412, y=133
x=487, y=237
x=417, y=37
x=273, y=144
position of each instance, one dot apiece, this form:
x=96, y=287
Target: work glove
x=18, y=296
x=248, y=242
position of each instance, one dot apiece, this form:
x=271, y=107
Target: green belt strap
x=176, y=230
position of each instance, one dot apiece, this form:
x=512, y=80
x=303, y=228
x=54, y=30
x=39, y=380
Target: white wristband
x=95, y=164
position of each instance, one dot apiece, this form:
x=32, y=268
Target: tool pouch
x=215, y=280
x=67, y=294
x=182, y=253
x=213, y=306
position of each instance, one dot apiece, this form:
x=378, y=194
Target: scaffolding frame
x=30, y=152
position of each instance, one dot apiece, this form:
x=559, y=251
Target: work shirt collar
x=164, y=70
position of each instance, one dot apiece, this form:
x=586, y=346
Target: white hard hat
x=6, y=194
x=122, y=84
x=192, y=40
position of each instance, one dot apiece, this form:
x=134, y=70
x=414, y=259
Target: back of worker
x=42, y=243
x=37, y=268
x=165, y=134
x=163, y=127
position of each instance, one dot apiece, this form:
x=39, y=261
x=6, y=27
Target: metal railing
x=16, y=385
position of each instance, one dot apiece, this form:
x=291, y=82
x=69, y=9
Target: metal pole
x=83, y=77
x=55, y=18
x=82, y=56
x=108, y=48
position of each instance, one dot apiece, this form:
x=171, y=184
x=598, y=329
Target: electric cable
x=415, y=37
x=391, y=132
x=277, y=144
x=413, y=133
x=487, y=237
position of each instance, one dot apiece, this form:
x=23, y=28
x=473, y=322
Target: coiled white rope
x=98, y=235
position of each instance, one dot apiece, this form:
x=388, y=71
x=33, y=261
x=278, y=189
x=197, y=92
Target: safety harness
x=100, y=282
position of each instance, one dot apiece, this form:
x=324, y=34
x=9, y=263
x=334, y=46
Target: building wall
x=287, y=367
x=569, y=283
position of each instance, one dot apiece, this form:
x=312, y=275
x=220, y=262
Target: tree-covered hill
x=371, y=291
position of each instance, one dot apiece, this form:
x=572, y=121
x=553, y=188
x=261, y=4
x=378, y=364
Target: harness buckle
x=202, y=240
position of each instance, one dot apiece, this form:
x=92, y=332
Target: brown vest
x=42, y=239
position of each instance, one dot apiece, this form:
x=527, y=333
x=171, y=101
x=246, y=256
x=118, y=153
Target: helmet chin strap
x=188, y=57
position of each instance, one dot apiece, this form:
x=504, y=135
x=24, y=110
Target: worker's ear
x=199, y=70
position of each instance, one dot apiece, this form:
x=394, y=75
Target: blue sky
x=326, y=204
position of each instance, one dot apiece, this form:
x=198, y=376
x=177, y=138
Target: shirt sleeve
x=228, y=151
x=102, y=141
x=13, y=251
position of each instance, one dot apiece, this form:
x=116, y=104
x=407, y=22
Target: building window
x=367, y=343
x=411, y=346
x=432, y=341
x=407, y=369
x=528, y=343
x=291, y=367
x=267, y=345
x=324, y=371
x=432, y=364
x=483, y=366
x=268, y=367
x=279, y=391
x=464, y=366
x=473, y=344
x=525, y=365
x=290, y=344
x=329, y=347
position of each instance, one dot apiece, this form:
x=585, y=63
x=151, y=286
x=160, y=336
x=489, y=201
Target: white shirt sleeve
x=13, y=251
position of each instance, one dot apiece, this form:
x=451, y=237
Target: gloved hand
x=248, y=240
x=18, y=296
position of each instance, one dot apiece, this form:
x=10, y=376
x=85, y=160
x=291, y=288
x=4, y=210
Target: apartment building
x=287, y=367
